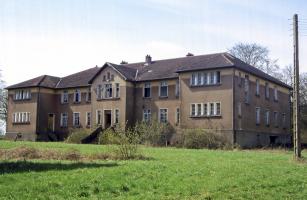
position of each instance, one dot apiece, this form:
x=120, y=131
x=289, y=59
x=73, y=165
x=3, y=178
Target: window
x=284, y=122
x=108, y=76
x=177, y=115
x=246, y=89
x=89, y=95
x=21, y=117
x=211, y=109
x=98, y=117
x=22, y=94
x=267, y=90
x=108, y=91
x=117, y=90
x=239, y=109
x=257, y=87
x=193, y=109
x=116, y=115
x=205, y=109
x=267, y=117
x=276, y=119
x=77, y=96
x=76, y=119
x=204, y=78
x=147, y=90
x=217, y=109
x=88, y=119
x=163, y=115
x=275, y=94
x=177, y=88
x=64, y=120
x=146, y=115
x=104, y=78
x=257, y=115
x=239, y=81
x=64, y=96
x=112, y=77
x=199, y=110
x=163, y=89
x=99, y=91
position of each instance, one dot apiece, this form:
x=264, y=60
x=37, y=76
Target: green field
x=170, y=173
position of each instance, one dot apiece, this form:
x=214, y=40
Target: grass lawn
x=170, y=174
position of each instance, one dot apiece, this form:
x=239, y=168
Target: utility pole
x=296, y=108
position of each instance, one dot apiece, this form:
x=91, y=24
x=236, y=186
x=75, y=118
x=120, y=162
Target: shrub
x=154, y=133
x=76, y=135
x=107, y=137
x=197, y=139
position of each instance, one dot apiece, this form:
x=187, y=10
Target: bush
x=154, y=133
x=76, y=135
x=107, y=137
x=198, y=139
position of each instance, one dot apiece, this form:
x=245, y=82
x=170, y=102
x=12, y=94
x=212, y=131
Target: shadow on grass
x=7, y=167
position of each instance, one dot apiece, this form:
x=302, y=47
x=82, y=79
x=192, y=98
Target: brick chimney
x=148, y=60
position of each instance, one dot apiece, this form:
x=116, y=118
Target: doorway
x=51, y=121
x=107, y=118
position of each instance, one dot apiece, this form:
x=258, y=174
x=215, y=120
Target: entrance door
x=107, y=118
x=51, y=119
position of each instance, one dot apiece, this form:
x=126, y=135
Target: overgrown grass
x=170, y=174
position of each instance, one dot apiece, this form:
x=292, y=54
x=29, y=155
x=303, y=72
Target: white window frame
x=257, y=87
x=116, y=116
x=160, y=115
x=77, y=91
x=117, y=90
x=267, y=117
x=74, y=118
x=108, y=91
x=146, y=115
x=62, y=124
x=64, y=96
x=258, y=114
x=88, y=121
x=147, y=85
x=163, y=84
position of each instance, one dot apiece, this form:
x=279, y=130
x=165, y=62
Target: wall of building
x=28, y=130
x=245, y=125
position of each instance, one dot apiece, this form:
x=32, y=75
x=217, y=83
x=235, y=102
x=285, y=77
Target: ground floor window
x=257, y=116
x=88, y=119
x=76, y=119
x=98, y=117
x=146, y=115
x=21, y=117
x=163, y=115
x=64, y=120
x=116, y=114
x=267, y=117
x=177, y=115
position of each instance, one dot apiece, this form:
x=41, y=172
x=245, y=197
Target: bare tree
x=257, y=56
x=3, y=105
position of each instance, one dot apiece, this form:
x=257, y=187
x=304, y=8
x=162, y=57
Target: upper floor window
x=108, y=90
x=163, y=115
x=177, y=88
x=267, y=90
x=117, y=92
x=205, y=78
x=257, y=87
x=64, y=97
x=89, y=95
x=147, y=90
x=275, y=94
x=77, y=96
x=239, y=109
x=257, y=115
x=146, y=115
x=246, y=88
x=99, y=91
x=239, y=81
x=108, y=76
x=76, y=119
x=163, y=89
x=21, y=117
x=267, y=117
x=22, y=94
x=64, y=120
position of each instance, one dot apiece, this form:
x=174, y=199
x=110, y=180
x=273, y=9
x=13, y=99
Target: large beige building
x=216, y=91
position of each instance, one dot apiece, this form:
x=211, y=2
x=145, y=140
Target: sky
x=61, y=37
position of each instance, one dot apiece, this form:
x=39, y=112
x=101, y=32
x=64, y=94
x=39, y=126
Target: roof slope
x=42, y=81
x=79, y=79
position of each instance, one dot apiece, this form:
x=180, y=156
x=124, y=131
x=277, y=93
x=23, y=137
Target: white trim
x=160, y=85
x=86, y=119
x=160, y=114
x=97, y=117
x=116, y=109
x=73, y=119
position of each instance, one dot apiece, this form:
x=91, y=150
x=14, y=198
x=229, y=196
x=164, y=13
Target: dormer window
x=77, y=96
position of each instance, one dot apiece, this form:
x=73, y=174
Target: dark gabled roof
x=40, y=81
x=79, y=79
x=156, y=70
